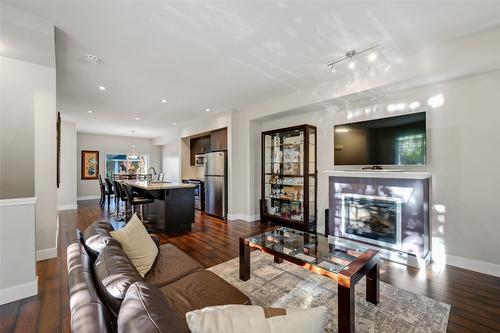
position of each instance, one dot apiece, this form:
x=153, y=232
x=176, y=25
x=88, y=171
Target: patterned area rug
x=288, y=285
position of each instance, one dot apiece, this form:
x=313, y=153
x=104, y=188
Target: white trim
x=388, y=173
x=88, y=197
x=244, y=217
x=49, y=253
x=19, y=291
x=18, y=201
x=67, y=207
x=46, y=254
x=474, y=265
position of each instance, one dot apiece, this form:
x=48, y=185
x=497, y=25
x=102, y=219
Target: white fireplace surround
x=386, y=173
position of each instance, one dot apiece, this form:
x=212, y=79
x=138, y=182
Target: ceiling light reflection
x=436, y=101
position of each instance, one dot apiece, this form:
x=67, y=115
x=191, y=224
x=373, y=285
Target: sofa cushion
x=145, y=309
x=97, y=236
x=201, y=289
x=137, y=244
x=170, y=265
x=247, y=318
x=84, y=300
x=114, y=273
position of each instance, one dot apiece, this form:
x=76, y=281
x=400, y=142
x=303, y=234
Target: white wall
x=462, y=146
x=28, y=154
x=45, y=172
x=170, y=162
x=18, y=82
x=17, y=249
x=66, y=193
x=27, y=150
x=87, y=189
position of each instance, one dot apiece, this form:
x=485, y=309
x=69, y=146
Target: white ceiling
x=223, y=55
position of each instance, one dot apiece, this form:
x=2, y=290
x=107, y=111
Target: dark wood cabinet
x=218, y=139
x=289, y=177
x=199, y=145
x=213, y=141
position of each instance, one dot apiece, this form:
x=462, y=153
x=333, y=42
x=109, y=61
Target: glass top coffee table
x=332, y=258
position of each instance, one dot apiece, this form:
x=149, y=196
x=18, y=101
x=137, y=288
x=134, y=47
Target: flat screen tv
x=399, y=140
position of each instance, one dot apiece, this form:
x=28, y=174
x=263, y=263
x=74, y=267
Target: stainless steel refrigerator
x=216, y=184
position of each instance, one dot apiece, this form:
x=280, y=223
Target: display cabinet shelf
x=289, y=177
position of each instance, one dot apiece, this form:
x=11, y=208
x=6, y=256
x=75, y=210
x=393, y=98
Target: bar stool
x=136, y=200
x=119, y=197
x=109, y=191
x=102, y=187
x=123, y=198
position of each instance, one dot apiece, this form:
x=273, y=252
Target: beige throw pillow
x=137, y=244
x=251, y=319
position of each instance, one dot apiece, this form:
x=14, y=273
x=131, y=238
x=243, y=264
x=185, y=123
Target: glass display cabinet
x=289, y=177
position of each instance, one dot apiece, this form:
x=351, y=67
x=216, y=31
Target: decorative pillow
x=137, y=244
x=250, y=318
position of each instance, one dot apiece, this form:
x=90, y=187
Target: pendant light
x=133, y=154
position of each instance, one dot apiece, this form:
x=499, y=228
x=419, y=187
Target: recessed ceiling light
x=90, y=111
x=137, y=118
x=102, y=88
x=164, y=101
x=173, y=124
x=207, y=109
x=372, y=56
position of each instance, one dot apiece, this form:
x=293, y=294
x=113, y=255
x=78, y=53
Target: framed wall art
x=90, y=164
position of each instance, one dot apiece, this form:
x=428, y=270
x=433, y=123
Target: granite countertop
x=154, y=186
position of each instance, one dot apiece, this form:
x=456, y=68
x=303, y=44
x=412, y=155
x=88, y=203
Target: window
x=124, y=164
x=410, y=149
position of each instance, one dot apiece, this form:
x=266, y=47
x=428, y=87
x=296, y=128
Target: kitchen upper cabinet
x=199, y=145
x=218, y=139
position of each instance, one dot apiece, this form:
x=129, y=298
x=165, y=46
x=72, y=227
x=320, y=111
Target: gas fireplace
x=372, y=219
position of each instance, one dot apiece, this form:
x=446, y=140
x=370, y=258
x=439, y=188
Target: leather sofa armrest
x=156, y=239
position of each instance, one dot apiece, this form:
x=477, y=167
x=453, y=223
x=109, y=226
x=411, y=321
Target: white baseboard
x=244, y=217
x=67, y=207
x=50, y=252
x=18, y=292
x=88, y=197
x=46, y=254
x=473, y=265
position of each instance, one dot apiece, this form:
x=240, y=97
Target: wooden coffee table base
x=347, y=300
x=365, y=265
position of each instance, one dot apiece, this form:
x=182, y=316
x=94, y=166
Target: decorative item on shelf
x=90, y=164
x=274, y=178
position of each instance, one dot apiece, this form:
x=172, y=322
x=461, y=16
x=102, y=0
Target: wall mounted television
x=399, y=140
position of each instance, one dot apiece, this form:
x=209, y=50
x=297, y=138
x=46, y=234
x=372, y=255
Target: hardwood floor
x=475, y=298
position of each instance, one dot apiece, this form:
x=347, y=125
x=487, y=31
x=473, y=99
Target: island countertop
x=156, y=186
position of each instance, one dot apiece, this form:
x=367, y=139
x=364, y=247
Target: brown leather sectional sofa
x=107, y=294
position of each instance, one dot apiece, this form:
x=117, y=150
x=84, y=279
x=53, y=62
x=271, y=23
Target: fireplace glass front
x=372, y=219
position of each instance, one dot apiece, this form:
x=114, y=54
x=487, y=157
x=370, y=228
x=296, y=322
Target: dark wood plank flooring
x=475, y=298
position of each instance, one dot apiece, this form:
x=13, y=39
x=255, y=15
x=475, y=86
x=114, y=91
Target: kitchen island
x=173, y=209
